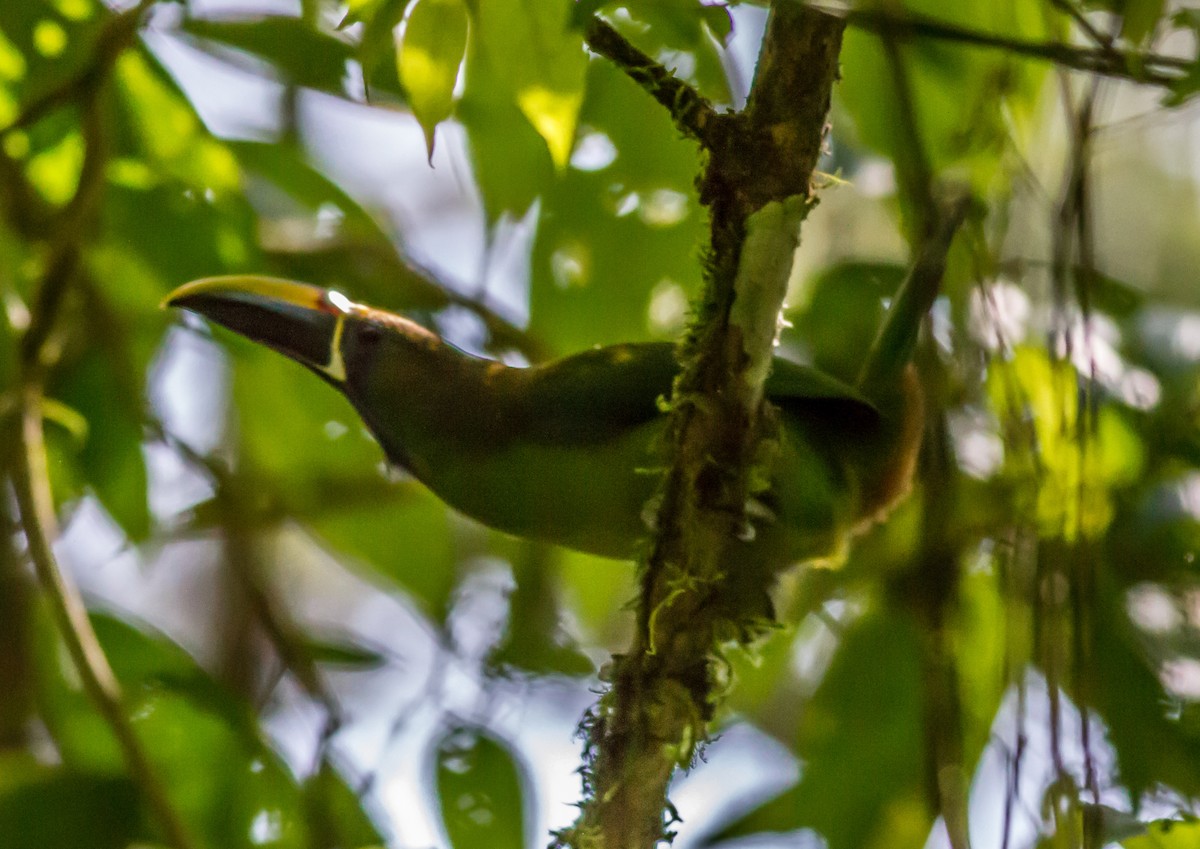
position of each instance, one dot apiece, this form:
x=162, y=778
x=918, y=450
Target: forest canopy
x=897, y=299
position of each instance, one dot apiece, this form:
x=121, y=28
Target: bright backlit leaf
x=428, y=57
x=540, y=58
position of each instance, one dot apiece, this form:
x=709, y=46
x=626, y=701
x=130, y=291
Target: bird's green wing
x=590, y=396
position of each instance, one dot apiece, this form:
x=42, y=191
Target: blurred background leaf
x=316, y=652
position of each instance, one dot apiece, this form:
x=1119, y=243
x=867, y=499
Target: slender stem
x=932, y=234
x=1135, y=66
x=66, y=247
x=27, y=463
x=1076, y=14
x=32, y=484
x=692, y=113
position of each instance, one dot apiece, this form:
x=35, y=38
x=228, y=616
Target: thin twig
x=32, y=484
x=1136, y=66
x=692, y=112
x=915, y=171
x=66, y=249
x=1076, y=14
x=1075, y=218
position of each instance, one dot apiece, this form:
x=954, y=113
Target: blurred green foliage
x=1053, y=551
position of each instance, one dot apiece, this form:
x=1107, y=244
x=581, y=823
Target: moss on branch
x=694, y=596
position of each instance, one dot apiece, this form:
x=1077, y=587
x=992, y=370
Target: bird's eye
x=369, y=334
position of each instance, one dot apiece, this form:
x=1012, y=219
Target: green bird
x=565, y=451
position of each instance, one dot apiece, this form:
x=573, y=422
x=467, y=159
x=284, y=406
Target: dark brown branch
x=1135, y=66
x=1077, y=15
x=666, y=688
x=692, y=113
x=66, y=248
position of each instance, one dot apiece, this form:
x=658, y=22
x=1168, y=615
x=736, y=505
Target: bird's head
x=319, y=328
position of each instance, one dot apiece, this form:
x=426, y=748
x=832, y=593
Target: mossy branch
x=694, y=596
x=691, y=112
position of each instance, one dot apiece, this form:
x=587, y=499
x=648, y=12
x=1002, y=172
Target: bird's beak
x=299, y=321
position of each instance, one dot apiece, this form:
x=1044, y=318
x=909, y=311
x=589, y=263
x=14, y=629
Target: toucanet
x=566, y=451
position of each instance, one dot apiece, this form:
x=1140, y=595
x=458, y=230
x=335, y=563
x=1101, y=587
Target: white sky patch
x=1187, y=494
x=594, y=151
x=627, y=204
x=875, y=178
x=1153, y=609
x=1140, y=389
x=668, y=306
x=1181, y=676
x=663, y=208
x=1185, y=337
x=998, y=315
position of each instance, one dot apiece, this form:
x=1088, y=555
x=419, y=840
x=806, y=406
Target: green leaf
x=535, y=640
x=861, y=745
x=54, y=171
x=377, y=50
x=111, y=460
x=1186, y=87
x=836, y=314
x=682, y=34
x=480, y=786
x=1140, y=18
x=1152, y=747
x=510, y=160
x=428, y=58
x=294, y=429
x=1167, y=834
x=409, y=542
x=52, y=46
x=58, y=808
x=970, y=105
x=540, y=60
x=349, y=655
x=1074, y=487
x=165, y=133
x=597, y=591
x=287, y=168
x=619, y=239
x=335, y=812
x=303, y=54
x=227, y=785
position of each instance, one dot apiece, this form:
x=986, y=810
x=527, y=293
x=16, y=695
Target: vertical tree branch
x=665, y=690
